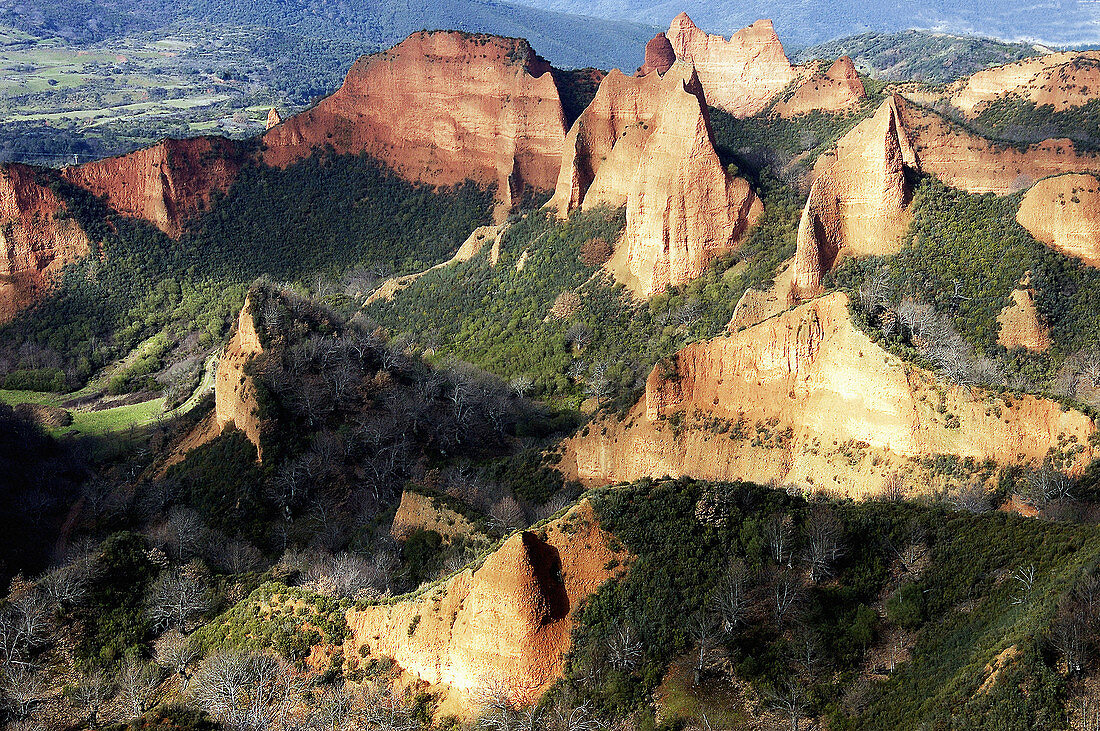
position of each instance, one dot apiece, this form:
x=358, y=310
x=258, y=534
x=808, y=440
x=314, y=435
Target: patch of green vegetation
x=1014, y=118
x=963, y=606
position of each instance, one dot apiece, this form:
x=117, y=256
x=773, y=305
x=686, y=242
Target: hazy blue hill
x=570, y=41
x=918, y=55
x=802, y=22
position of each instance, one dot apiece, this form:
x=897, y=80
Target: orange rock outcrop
x=37, y=238
x=836, y=90
x=646, y=143
x=1062, y=80
x=165, y=184
x=235, y=401
x=439, y=108
x=857, y=204
x=273, y=118
x=504, y=625
x=659, y=56
x=1064, y=212
x=740, y=75
x=808, y=399
x=421, y=512
x=1020, y=323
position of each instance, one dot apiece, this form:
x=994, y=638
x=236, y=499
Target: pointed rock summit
x=740, y=75
x=858, y=202
x=659, y=56
x=441, y=107
x=273, y=118
x=645, y=142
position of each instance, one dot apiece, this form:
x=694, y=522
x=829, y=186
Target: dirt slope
x=1064, y=212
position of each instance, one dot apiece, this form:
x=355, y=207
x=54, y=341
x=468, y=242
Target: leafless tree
x=181, y=534
x=176, y=596
x=91, y=693
x=893, y=488
x=344, y=576
x=1089, y=362
x=573, y=717
x=970, y=497
x=1024, y=578
x=248, y=691
x=1068, y=637
x=24, y=626
x=792, y=702
x=823, y=533
x=21, y=688
x=779, y=532
x=786, y=593
x=137, y=682
x=1087, y=713
x=624, y=649
x=599, y=383
x=498, y=711
x=731, y=596
x=703, y=629
x=579, y=334
x=508, y=513
x=521, y=385
x=1046, y=485
x=239, y=557
x=384, y=710
x=175, y=652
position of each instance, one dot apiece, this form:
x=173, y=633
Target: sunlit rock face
x=1064, y=213
x=836, y=90
x=235, y=401
x=439, y=108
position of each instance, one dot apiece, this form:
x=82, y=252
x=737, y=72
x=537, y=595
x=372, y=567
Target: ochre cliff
x=808, y=399
x=439, y=108
x=504, y=625
x=37, y=238
x=273, y=118
x=857, y=204
x=646, y=143
x=235, y=401
x=1062, y=80
x=165, y=184
x=838, y=89
x=1064, y=212
x=1021, y=326
x=740, y=75
x=418, y=511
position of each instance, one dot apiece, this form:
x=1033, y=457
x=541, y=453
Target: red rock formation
x=659, y=56
x=809, y=399
x=646, y=143
x=836, y=90
x=1064, y=212
x=273, y=118
x=507, y=624
x=857, y=204
x=234, y=393
x=439, y=108
x=37, y=239
x=740, y=75
x=165, y=184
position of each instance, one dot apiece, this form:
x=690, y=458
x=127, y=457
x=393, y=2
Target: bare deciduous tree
x=21, y=688
x=731, y=596
x=703, y=629
x=91, y=693
x=137, y=682
x=1024, y=578
x=248, y=691
x=624, y=649
x=786, y=592
x=792, y=702
x=779, y=532
x=175, y=652
x=176, y=596
x=823, y=532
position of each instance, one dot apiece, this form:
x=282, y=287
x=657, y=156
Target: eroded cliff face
x=37, y=239
x=837, y=89
x=504, y=625
x=165, y=184
x=974, y=164
x=645, y=142
x=808, y=399
x=740, y=75
x=441, y=107
x=418, y=511
x=1021, y=326
x=1064, y=212
x=273, y=118
x=1062, y=80
x=235, y=401
x=858, y=202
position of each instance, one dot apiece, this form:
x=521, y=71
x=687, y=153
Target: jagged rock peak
x=659, y=56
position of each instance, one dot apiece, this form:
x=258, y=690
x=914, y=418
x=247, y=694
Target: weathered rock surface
x=37, y=239
x=506, y=624
x=857, y=204
x=1064, y=212
x=235, y=401
x=165, y=184
x=838, y=89
x=441, y=107
x=740, y=75
x=418, y=511
x=659, y=56
x=1062, y=80
x=273, y=118
x=1021, y=325
x=807, y=398
x=646, y=143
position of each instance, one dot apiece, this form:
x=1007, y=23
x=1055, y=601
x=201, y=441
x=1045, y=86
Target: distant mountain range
x=801, y=23
x=565, y=39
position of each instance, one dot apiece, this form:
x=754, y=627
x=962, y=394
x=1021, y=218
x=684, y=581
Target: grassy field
x=91, y=423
